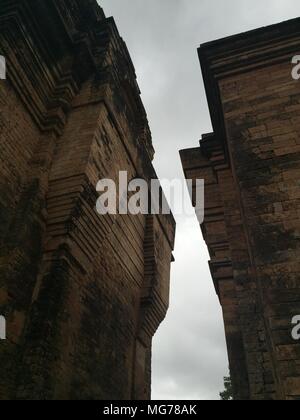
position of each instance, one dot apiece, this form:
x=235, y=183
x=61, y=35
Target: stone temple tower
x=82, y=294
x=251, y=167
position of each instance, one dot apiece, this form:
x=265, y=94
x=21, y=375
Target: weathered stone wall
x=251, y=166
x=82, y=294
x=263, y=132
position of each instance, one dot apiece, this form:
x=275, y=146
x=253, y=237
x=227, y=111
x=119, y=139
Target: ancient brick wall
x=251, y=165
x=82, y=294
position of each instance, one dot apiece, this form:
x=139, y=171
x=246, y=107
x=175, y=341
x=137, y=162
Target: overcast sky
x=189, y=355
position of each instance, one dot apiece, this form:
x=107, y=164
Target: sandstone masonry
x=251, y=166
x=82, y=294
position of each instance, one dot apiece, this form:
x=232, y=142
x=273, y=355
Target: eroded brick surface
x=83, y=294
x=251, y=165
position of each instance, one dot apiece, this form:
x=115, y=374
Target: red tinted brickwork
x=251, y=165
x=82, y=294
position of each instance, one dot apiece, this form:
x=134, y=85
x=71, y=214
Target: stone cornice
x=242, y=53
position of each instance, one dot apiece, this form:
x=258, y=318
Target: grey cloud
x=162, y=36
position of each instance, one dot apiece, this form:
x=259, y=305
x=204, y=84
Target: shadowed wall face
x=251, y=165
x=82, y=294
